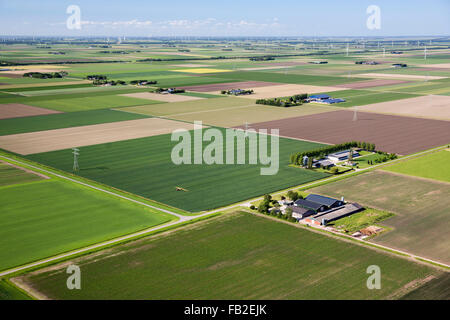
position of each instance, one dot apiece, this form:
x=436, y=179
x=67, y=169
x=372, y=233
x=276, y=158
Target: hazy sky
x=225, y=18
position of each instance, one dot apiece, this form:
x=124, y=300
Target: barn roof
x=326, y=201
x=308, y=204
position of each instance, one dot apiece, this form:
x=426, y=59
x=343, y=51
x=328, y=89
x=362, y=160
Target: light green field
x=42, y=219
x=91, y=103
x=235, y=256
x=226, y=111
x=421, y=220
x=432, y=166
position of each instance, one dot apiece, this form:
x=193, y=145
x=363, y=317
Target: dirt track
x=17, y=110
x=401, y=135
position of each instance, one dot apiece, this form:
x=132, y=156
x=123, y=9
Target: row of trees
x=297, y=158
x=237, y=92
x=43, y=75
x=169, y=90
x=110, y=82
x=96, y=77
x=142, y=82
x=262, y=58
x=294, y=100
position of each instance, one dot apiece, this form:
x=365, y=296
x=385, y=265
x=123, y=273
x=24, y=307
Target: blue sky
x=225, y=18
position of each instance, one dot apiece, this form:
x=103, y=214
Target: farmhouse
x=323, y=163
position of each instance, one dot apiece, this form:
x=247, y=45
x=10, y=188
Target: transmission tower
x=76, y=153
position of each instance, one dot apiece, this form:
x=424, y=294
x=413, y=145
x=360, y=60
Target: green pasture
x=237, y=256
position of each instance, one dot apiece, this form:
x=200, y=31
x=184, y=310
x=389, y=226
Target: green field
x=144, y=167
x=363, y=97
x=64, y=120
x=236, y=256
x=432, y=166
x=9, y=292
x=421, y=220
x=42, y=219
x=10, y=175
x=436, y=289
x=286, y=78
x=91, y=103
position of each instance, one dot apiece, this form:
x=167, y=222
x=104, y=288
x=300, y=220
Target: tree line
x=297, y=158
x=294, y=100
x=43, y=75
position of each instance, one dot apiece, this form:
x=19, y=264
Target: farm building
x=337, y=213
x=323, y=98
x=300, y=212
x=310, y=205
x=326, y=201
x=342, y=155
x=323, y=164
x=320, y=210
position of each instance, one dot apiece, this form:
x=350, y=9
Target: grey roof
x=299, y=210
x=348, y=209
x=308, y=204
x=327, y=201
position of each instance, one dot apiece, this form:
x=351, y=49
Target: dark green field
x=144, y=167
x=436, y=289
x=236, y=256
x=9, y=292
x=64, y=120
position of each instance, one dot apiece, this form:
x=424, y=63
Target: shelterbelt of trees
x=43, y=75
x=294, y=100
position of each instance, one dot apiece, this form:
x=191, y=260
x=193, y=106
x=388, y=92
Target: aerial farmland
x=224, y=168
